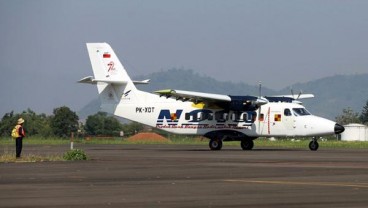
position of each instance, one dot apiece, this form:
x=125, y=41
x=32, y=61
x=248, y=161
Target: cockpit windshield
x=300, y=112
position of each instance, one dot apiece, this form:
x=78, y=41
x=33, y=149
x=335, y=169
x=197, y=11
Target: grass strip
x=177, y=140
x=10, y=158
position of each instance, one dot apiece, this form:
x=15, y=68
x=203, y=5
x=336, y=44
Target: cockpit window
x=300, y=112
x=287, y=112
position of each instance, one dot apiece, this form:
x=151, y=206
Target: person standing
x=20, y=133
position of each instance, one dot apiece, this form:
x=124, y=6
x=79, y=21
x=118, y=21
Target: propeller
x=299, y=94
x=261, y=100
x=259, y=109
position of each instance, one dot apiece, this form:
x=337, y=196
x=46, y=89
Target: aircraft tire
x=247, y=144
x=313, y=145
x=215, y=144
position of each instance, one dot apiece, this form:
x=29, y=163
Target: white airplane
x=215, y=116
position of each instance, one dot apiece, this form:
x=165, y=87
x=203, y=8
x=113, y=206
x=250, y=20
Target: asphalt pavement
x=188, y=176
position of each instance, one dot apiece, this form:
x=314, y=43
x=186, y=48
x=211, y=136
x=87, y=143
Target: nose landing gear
x=313, y=145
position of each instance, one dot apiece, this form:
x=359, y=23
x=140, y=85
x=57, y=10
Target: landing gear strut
x=313, y=145
x=247, y=144
x=215, y=144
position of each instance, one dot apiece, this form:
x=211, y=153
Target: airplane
x=217, y=117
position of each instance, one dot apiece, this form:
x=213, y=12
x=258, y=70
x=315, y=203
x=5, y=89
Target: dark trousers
x=18, y=146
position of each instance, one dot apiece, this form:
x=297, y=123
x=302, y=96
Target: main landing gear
x=247, y=144
x=215, y=144
x=218, y=137
x=313, y=145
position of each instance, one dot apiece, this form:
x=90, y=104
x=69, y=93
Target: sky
x=43, y=52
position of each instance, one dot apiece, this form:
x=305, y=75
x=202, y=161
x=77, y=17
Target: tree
x=364, y=115
x=34, y=124
x=8, y=121
x=132, y=128
x=348, y=116
x=102, y=124
x=63, y=122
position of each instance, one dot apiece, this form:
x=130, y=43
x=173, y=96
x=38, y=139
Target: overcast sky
x=278, y=42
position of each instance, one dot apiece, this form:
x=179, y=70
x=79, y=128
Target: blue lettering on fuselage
x=171, y=118
x=245, y=118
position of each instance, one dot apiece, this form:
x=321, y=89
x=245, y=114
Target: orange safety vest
x=22, y=133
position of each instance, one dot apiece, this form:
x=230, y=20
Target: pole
x=72, y=141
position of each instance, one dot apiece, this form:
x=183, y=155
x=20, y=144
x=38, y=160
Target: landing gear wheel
x=247, y=144
x=215, y=144
x=313, y=145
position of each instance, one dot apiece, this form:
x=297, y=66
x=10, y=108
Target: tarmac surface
x=188, y=176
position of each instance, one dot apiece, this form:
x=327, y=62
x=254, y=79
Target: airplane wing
x=289, y=98
x=296, y=97
x=192, y=96
x=210, y=99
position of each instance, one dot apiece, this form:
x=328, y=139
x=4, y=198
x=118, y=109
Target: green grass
x=8, y=157
x=305, y=142
x=36, y=140
x=186, y=140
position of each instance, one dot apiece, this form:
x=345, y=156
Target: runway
x=188, y=176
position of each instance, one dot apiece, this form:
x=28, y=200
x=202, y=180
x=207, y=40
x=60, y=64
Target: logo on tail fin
x=111, y=66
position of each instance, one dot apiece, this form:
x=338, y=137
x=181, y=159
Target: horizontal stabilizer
x=146, y=81
x=91, y=80
x=87, y=80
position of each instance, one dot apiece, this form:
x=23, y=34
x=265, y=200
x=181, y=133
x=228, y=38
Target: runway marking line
x=312, y=183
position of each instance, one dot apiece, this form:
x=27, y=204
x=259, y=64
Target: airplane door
x=288, y=121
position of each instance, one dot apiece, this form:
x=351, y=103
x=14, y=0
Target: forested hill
x=332, y=94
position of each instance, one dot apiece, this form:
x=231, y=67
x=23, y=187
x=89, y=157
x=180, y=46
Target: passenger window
x=261, y=117
x=244, y=117
x=232, y=116
x=287, y=112
x=240, y=117
x=210, y=116
x=237, y=117
x=195, y=117
x=219, y=116
x=226, y=116
x=254, y=117
x=199, y=116
x=187, y=116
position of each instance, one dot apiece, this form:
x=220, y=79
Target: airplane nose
x=339, y=129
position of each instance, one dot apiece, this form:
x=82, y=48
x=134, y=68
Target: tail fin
x=113, y=82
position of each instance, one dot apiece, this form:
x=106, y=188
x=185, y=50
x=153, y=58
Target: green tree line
x=63, y=122
x=349, y=116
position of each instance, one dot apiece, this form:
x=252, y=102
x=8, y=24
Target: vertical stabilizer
x=113, y=82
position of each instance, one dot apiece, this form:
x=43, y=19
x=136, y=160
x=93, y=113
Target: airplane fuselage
x=276, y=119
